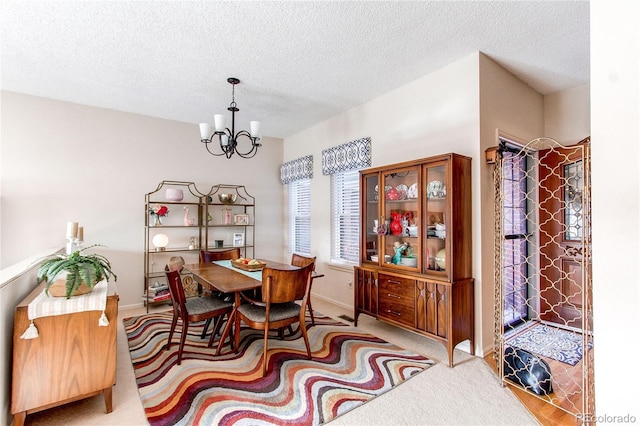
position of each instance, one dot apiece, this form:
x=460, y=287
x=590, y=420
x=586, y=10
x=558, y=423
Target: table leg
x=226, y=331
x=19, y=418
x=108, y=398
x=236, y=330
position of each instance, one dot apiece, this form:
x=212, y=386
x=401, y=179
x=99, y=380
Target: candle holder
x=73, y=244
x=70, y=245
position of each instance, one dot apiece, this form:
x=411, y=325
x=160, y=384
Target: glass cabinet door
x=435, y=251
x=401, y=241
x=371, y=215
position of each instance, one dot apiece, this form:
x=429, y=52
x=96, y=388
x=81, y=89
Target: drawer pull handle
x=389, y=311
x=395, y=296
x=394, y=282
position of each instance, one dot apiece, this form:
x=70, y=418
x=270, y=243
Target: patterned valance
x=300, y=168
x=352, y=155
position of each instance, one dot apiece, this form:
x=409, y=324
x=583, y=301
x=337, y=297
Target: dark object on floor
x=527, y=370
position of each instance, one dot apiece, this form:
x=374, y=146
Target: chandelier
x=228, y=139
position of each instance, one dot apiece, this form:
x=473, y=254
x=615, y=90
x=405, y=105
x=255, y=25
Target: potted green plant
x=74, y=274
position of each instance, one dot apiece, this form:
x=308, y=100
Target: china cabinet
x=415, y=248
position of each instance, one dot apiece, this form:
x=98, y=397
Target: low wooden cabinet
x=72, y=358
x=440, y=310
x=415, y=248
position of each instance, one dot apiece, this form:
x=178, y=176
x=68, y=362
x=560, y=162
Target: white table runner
x=45, y=306
x=256, y=275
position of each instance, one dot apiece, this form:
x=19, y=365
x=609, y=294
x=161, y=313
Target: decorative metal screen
x=543, y=304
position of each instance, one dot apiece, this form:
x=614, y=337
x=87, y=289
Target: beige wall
x=435, y=114
x=459, y=108
x=566, y=115
x=67, y=162
x=508, y=106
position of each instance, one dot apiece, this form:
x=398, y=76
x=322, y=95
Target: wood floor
x=547, y=414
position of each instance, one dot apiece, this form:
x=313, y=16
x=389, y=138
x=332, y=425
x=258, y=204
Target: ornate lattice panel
x=543, y=305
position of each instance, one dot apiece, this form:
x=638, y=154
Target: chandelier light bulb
x=219, y=122
x=255, y=128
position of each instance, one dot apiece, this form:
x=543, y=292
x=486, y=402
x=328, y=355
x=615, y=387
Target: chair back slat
x=281, y=286
x=210, y=256
x=302, y=261
x=176, y=289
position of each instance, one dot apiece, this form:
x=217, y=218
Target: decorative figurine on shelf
x=192, y=243
x=399, y=249
x=227, y=216
x=396, y=224
x=187, y=220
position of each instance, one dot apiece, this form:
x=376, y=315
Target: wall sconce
x=160, y=241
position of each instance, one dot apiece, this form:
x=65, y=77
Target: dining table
x=221, y=275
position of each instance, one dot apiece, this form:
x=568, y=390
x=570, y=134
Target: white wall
x=67, y=162
x=615, y=156
x=435, y=114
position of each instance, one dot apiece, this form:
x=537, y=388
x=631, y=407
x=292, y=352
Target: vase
x=396, y=225
x=59, y=287
x=157, y=220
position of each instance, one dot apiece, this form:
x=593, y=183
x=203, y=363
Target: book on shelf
x=157, y=290
x=162, y=296
x=157, y=296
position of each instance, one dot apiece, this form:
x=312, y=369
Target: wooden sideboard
x=71, y=359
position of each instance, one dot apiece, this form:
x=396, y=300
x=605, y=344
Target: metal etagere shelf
x=195, y=221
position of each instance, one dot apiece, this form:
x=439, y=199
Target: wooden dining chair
x=277, y=308
x=300, y=260
x=208, y=257
x=193, y=310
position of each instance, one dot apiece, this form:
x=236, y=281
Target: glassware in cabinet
x=372, y=226
x=435, y=179
x=401, y=209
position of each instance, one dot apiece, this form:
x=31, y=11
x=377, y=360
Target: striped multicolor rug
x=349, y=367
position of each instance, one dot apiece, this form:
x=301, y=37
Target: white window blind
x=300, y=217
x=345, y=212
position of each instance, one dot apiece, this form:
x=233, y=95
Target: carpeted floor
x=467, y=394
x=349, y=367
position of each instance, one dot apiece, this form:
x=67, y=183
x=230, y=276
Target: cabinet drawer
x=396, y=299
x=403, y=287
x=397, y=312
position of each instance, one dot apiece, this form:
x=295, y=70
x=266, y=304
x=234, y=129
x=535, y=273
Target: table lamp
x=160, y=241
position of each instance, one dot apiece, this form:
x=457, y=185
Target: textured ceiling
x=299, y=62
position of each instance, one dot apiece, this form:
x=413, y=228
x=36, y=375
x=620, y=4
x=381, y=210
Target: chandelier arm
x=206, y=143
x=254, y=146
x=248, y=134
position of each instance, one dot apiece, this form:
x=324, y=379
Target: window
x=514, y=255
x=300, y=217
x=345, y=216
